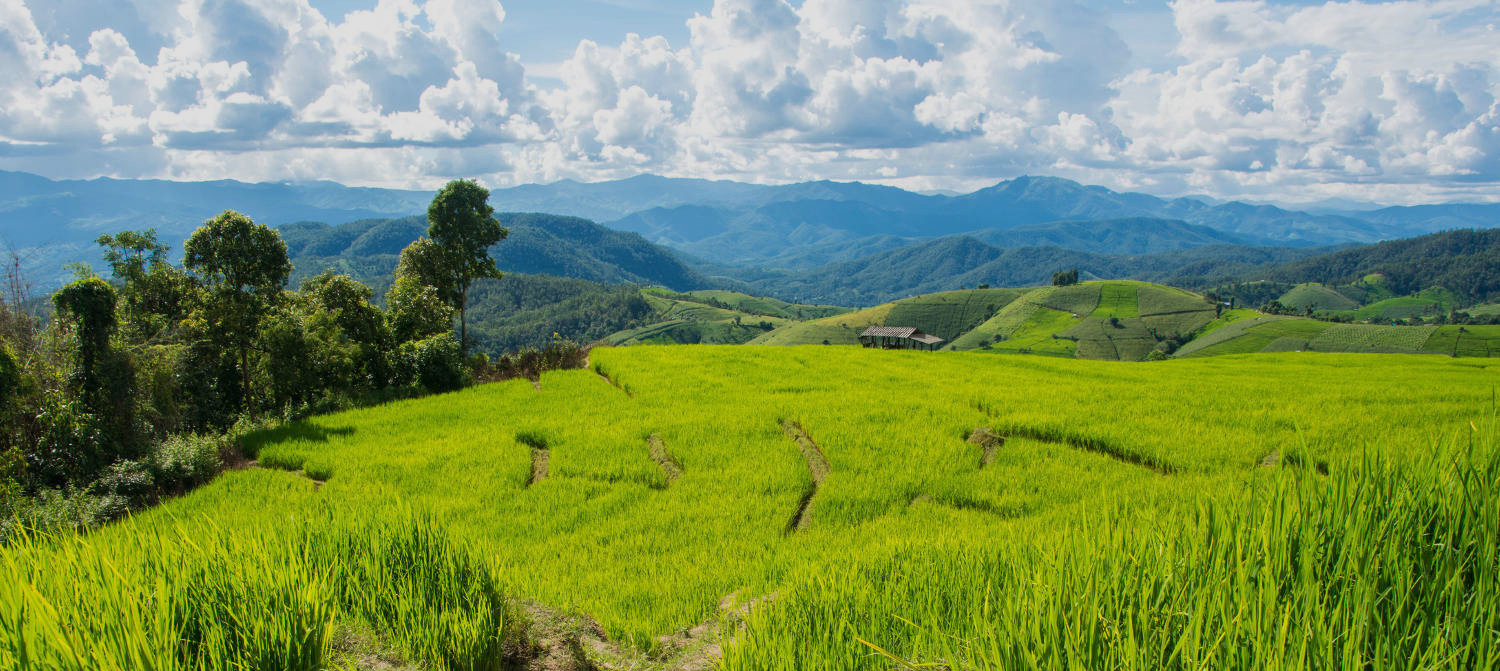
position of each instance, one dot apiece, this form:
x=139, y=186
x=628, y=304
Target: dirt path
x=539, y=458
x=817, y=464
x=987, y=441
x=561, y=641
x=1078, y=442
x=669, y=465
x=588, y=364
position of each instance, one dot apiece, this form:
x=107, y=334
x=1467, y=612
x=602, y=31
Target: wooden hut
x=899, y=337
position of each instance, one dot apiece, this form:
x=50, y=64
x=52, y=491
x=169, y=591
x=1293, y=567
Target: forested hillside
x=1466, y=262
x=537, y=244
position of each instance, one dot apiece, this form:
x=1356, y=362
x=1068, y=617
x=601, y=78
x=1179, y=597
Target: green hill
x=712, y=317
x=948, y=315
x=1110, y=320
x=1317, y=298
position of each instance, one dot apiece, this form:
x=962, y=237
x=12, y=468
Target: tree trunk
x=463, y=320
x=245, y=374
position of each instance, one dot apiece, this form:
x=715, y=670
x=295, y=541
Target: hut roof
x=890, y=332
x=926, y=338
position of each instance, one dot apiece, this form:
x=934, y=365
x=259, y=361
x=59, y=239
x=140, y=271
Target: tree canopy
x=462, y=223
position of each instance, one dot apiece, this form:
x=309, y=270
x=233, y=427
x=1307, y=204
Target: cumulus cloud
x=1391, y=100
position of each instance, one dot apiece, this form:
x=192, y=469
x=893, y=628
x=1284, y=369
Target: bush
x=182, y=462
x=436, y=364
x=132, y=481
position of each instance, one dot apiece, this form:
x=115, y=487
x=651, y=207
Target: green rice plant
x=1156, y=299
x=1251, y=334
x=1381, y=565
x=1465, y=341
x=1085, y=458
x=162, y=593
x=1079, y=299
x=1117, y=300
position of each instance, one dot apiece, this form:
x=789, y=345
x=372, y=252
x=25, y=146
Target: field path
x=987, y=440
x=817, y=464
x=539, y=458
x=659, y=454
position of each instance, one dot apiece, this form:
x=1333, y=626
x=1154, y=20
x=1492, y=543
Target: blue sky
x=1295, y=102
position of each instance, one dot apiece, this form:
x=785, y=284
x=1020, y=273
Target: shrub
x=182, y=462
x=436, y=364
x=130, y=480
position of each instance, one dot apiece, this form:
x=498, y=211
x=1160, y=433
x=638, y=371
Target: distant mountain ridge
x=789, y=227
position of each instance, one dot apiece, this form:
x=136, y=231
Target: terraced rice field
x=1316, y=297
x=834, y=508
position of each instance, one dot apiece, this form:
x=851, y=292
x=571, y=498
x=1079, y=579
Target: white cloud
x=1393, y=100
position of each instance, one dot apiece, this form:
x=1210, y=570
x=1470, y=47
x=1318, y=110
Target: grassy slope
x=1465, y=341
x=948, y=314
x=1427, y=303
x=1317, y=297
x=607, y=534
x=690, y=319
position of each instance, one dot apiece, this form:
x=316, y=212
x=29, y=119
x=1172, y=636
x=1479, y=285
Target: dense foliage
x=1466, y=262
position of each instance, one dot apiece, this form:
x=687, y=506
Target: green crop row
x=910, y=518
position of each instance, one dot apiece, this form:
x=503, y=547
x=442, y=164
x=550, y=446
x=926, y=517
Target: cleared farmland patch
x=1038, y=334
x=1111, y=339
x=1465, y=341
x=1079, y=299
x=949, y=315
x=1369, y=338
x=1116, y=300
x=1251, y=335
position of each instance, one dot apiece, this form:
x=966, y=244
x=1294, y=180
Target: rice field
x=863, y=509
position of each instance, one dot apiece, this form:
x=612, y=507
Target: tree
x=346, y=302
x=243, y=267
x=1065, y=278
x=154, y=292
x=103, y=379
x=416, y=310
x=462, y=223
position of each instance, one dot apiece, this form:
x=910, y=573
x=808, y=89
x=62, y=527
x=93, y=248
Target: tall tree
x=103, y=378
x=462, y=223
x=243, y=266
x=154, y=293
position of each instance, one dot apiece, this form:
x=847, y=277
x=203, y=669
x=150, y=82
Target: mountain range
x=733, y=230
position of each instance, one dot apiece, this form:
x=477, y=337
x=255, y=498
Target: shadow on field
x=251, y=443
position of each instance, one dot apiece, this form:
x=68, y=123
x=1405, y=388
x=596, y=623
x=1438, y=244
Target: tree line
x=127, y=391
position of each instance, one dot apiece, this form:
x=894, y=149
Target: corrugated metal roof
x=926, y=339
x=889, y=331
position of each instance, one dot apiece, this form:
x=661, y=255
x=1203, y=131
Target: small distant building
x=899, y=337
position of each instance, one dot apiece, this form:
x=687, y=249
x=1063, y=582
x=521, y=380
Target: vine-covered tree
x=243, y=267
x=102, y=378
x=462, y=223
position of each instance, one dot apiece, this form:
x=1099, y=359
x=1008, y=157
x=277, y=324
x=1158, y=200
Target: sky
x=1292, y=102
